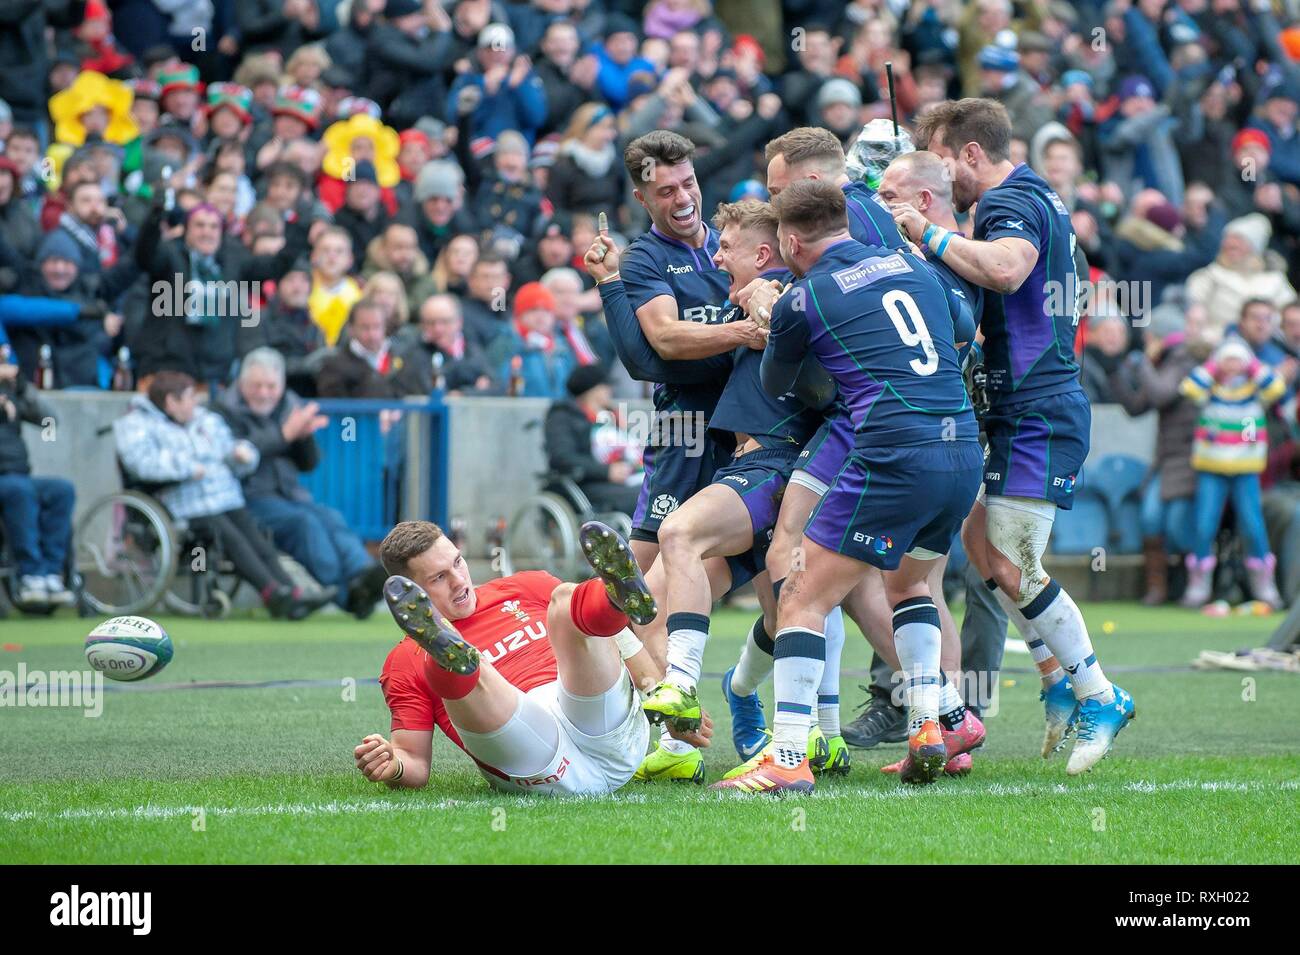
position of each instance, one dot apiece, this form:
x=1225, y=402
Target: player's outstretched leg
x=611, y=559
x=415, y=614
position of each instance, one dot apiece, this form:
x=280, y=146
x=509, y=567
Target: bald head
x=922, y=180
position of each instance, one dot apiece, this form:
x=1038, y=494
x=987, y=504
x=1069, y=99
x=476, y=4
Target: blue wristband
x=943, y=244
x=929, y=231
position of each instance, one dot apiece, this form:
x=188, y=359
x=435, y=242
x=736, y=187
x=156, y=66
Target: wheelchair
x=132, y=555
x=543, y=532
x=9, y=583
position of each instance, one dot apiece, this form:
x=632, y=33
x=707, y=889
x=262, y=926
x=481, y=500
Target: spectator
x=18, y=227
x=570, y=426
x=1244, y=268
x=196, y=333
x=1277, y=119
x=387, y=289
x=587, y=335
x=1106, y=349
x=363, y=215
x=485, y=305
x=168, y=438
x=1230, y=451
x=407, y=53
x=568, y=75
x=619, y=61
x=281, y=26
x=437, y=354
x=285, y=326
x=505, y=198
x=587, y=176
x=333, y=289
x=817, y=60
x=1149, y=380
x=262, y=411
x=24, y=57
x=364, y=366
x=36, y=511
x=76, y=347
x=1138, y=143
x=502, y=91
x=451, y=272
x=440, y=213
x=532, y=356
x=397, y=250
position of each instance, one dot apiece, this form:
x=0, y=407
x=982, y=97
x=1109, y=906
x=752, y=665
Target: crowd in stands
x=393, y=197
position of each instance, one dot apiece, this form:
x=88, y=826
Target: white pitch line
x=629, y=795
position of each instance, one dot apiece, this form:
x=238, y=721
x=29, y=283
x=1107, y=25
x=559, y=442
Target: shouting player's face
x=673, y=200
x=743, y=254
x=965, y=184
x=444, y=575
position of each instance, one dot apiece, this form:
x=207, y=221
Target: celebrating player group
x=817, y=440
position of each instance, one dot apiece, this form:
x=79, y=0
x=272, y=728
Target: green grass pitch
x=175, y=772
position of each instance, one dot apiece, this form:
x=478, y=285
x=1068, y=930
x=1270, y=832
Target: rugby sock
x=828, y=693
x=755, y=664
x=448, y=685
x=951, y=708
x=1009, y=607
x=918, y=641
x=1049, y=668
x=687, y=635
x=672, y=744
x=1055, y=620
x=591, y=611
x=799, y=660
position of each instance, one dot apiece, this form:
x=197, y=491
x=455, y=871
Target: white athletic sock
x=1054, y=619
x=672, y=744
x=952, y=710
x=799, y=660
x=828, y=693
x=687, y=635
x=919, y=641
x=755, y=664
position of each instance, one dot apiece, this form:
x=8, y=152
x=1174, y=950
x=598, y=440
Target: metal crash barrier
x=376, y=475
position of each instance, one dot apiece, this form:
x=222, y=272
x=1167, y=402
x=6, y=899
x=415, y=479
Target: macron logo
x=103, y=908
x=679, y=269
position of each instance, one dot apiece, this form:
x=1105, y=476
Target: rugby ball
x=128, y=648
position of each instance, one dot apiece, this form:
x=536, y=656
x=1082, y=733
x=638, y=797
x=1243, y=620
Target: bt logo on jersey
x=516, y=641
x=1066, y=482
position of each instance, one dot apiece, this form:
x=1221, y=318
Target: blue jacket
x=1284, y=157
x=612, y=78
x=544, y=374
x=522, y=108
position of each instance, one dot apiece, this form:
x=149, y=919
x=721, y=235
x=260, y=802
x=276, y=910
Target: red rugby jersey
x=508, y=626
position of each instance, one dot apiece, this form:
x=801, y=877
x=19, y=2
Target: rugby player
x=734, y=516
x=663, y=299
x=519, y=672
x=883, y=325
x=809, y=152
x=1023, y=251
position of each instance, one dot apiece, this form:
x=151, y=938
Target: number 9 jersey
x=882, y=324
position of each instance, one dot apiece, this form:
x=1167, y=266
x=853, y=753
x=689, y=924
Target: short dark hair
x=814, y=208
x=166, y=383
x=282, y=169
x=72, y=193
x=662, y=146
x=970, y=120
x=406, y=540
x=1257, y=300
x=23, y=132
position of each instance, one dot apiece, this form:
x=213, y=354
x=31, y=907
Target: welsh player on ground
x=1023, y=251
x=521, y=672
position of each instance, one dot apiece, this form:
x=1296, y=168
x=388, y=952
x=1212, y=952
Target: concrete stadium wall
x=495, y=448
